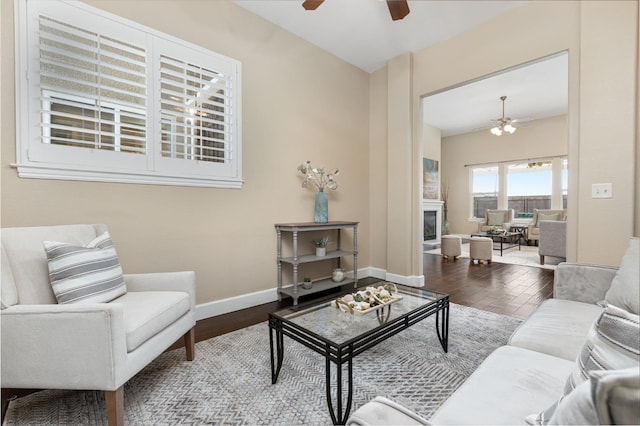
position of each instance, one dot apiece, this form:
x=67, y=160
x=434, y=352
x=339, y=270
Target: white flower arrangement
x=369, y=298
x=317, y=178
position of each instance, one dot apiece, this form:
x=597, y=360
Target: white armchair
x=553, y=239
x=500, y=219
x=84, y=346
x=533, y=229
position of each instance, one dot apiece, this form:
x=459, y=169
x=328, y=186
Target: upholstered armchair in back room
x=553, y=239
x=533, y=230
x=500, y=219
x=71, y=320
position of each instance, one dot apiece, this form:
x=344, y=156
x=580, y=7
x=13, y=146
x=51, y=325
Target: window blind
x=196, y=108
x=93, y=89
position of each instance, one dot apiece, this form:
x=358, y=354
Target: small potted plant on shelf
x=321, y=246
x=306, y=283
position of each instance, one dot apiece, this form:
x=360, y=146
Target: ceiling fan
x=506, y=124
x=397, y=8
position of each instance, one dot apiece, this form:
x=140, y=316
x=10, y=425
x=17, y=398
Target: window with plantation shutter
x=107, y=99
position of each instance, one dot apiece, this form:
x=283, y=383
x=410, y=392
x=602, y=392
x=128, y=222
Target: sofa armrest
x=383, y=411
x=85, y=342
x=582, y=282
x=164, y=281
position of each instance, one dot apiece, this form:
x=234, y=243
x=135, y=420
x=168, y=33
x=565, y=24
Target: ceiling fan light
x=509, y=128
x=496, y=131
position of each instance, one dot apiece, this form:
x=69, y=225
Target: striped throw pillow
x=85, y=274
x=613, y=343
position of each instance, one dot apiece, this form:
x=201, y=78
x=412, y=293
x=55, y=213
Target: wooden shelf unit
x=296, y=290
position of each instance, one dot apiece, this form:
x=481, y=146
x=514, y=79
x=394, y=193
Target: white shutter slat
x=92, y=86
x=132, y=110
x=193, y=109
x=75, y=33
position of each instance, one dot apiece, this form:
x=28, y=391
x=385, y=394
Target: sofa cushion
x=383, y=411
x=612, y=344
x=146, y=313
x=8, y=290
x=577, y=408
x=625, y=287
x=508, y=386
x=558, y=327
x=85, y=274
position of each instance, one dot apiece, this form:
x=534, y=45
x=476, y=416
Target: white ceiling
x=362, y=33
x=533, y=91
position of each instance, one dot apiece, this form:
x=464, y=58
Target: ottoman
x=451, y=246
x=480, y=248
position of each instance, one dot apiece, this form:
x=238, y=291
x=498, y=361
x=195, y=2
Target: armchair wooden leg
x=115, y=406
x=190, y=344
x=541, y=259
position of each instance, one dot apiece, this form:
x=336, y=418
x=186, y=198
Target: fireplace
x=432, y=210
x=430, y=225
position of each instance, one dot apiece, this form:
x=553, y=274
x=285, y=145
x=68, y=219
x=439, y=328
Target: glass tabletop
x=326, y=320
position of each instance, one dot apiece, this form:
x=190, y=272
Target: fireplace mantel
x=436, y=206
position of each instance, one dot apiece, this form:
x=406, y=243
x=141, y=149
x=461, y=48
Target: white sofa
x=89, y=345
x=529, y=375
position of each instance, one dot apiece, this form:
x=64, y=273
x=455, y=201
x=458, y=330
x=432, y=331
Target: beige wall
x=602, y=40
x=299, y=103
x=543, y=138
x=378, y=170
x=431, y=145
x=608, y=140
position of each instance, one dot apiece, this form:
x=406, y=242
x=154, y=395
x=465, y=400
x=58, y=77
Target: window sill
x=50, y=172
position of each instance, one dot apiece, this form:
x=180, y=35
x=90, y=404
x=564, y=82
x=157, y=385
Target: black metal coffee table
x=340, y=336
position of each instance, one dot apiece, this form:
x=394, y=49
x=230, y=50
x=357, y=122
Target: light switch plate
x=602, y=190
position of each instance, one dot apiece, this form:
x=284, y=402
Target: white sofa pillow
x=612, y=344
x=608, y=397
x=625, y=287
x=495, y=218
x=552, y=216
x=85, y=274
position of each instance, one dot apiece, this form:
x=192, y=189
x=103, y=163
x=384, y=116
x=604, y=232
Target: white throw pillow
x=85, y=274
x=608, y=397
x=625, y=287
x=613, y=343
x=542, y=216
x=495, y=218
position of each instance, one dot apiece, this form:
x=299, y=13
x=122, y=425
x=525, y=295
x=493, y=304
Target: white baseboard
x=411, y=281
x=232, y=304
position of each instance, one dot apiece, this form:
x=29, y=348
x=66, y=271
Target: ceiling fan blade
x=398, y=9
x=311, y=4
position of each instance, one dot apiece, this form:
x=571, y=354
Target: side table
x=522, y=230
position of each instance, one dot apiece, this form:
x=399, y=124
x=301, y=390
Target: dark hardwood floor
x=497, y=287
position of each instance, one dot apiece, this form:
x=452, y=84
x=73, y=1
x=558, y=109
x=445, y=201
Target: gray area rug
x=229, y=382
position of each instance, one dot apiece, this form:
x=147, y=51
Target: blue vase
x=322, y=207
